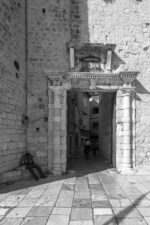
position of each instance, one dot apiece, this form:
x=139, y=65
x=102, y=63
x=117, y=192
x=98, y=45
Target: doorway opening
x=91, y=114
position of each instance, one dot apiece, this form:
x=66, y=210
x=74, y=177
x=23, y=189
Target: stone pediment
x=90, y=63
x=90, y=58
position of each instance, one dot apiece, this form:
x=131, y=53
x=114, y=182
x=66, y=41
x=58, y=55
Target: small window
x=95, y=110
x=95, y=125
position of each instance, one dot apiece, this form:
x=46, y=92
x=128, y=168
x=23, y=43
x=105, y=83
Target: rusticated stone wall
x=12, y=83
x=126, y=24
x=48, y=33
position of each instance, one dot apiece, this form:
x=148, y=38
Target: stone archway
x=59, y=83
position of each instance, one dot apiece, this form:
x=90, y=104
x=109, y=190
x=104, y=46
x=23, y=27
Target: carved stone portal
x=59, y=83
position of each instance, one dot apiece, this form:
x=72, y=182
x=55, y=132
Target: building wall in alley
x=13, y=83
x=94, y=119
x=78, y=122
x=105, y=124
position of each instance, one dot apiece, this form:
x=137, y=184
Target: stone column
x=127, y=155
x=72, y=63
x=57, y=129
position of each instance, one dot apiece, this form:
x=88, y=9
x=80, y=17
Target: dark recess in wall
x=16, y=64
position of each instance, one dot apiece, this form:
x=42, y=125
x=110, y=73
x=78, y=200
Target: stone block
x=56, y=126
x=57, y=140
x=42, y=139
x=57, y=119
x=63, y=140
x=57, y=112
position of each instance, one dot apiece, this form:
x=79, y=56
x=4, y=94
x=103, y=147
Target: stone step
x=11, y=176
x=21, y=173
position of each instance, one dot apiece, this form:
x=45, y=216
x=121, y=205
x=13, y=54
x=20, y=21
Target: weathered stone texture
x=48, y=33
x=51, y=24
x=127, y=24
x=12, y=83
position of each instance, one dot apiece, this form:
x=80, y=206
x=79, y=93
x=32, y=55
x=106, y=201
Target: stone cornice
x=128, y=76
x=124, y=77
x=97, y=45
x=93, y=75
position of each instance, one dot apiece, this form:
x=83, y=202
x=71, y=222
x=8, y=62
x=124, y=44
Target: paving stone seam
x=114, y=216
x=11, y=208
x=73, y=200
x=90, y=197
x=132, y=204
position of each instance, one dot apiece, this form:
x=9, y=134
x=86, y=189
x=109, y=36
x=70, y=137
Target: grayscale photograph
x=74, y=112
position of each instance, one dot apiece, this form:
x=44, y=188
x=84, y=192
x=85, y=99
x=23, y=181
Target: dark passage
x=91, y=115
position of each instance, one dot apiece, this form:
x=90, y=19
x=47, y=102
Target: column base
x=127, y=171
x=57, y=170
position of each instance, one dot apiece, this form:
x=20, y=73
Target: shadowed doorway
x=91, y=115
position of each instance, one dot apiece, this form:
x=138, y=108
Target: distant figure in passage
x=95, y=147
x=27, y=160
x=87, y=147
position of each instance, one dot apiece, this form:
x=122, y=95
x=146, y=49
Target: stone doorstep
x=10, y=176
x=21, y=173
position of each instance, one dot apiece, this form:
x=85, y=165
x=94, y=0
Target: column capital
x=65, y=86
x=128, y=77
x=58, y=78
x=128, y=90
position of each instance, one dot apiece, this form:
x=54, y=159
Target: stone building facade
x=78, y=122
x=12, y=83
x=39, y=39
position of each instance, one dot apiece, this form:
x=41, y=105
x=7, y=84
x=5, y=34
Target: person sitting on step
x=28, y=161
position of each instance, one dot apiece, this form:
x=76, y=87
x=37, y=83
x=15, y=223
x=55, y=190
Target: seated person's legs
x=31, y=169
x=40, y=171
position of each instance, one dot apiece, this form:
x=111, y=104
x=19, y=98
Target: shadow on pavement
x=77, y=167
x=125, y=212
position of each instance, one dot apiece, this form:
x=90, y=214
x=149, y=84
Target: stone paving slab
x=61, y=211
x=35, y=221
x=40, y=211
x=101, y=198
x=147, y=219
x=129, y=212
x=19, y=212
x=100, y=204
x=133, y=221
x=144, y=212
x=81, y=195
x=82, y=203
x=58, y=220
x=81, y=214
x=11, y=221
x=102, y=211
x=104, y=220
x=3, y=211
x=81, y=222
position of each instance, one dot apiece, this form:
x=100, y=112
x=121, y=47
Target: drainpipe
x=26, y=65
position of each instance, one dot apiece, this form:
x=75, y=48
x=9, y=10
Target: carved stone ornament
x=128, y=77
x=58, y=79
x=93, y=83
x=66, y=79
